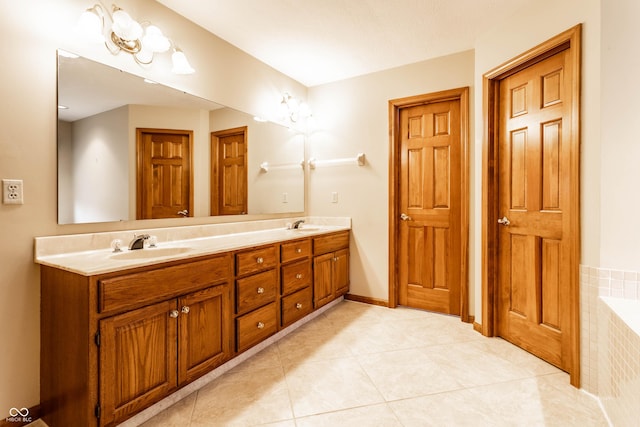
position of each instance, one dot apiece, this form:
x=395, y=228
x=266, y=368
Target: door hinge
x=97, y=411
x=97, y=339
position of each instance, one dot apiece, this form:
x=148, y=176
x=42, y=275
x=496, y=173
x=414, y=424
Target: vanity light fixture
x=294, y=109
x=120, y=32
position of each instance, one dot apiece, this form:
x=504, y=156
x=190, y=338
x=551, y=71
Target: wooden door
x=164, y=179
x=205, y=332
x=229, y=175
x=534, y=241
x=341, y=272
x=137, y=360
x=322, y=279
x=429, y=244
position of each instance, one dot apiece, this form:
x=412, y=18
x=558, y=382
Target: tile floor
x=363, y=365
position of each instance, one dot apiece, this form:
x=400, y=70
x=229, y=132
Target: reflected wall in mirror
x=97, y=165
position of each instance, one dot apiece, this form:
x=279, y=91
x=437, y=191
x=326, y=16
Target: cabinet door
x=137, y=360
x=341, y=272
x=322, y=280
x=205, y=332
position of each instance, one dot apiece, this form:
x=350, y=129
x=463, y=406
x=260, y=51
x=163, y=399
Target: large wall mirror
x=102, y=113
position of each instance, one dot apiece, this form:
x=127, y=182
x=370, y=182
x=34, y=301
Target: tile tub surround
x=91, y=253
x=619, y=359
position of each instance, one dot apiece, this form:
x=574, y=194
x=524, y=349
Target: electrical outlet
x=12, y=192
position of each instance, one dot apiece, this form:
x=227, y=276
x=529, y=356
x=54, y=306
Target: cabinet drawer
x=296, y=276
x=295, y=250
x=137, y=289
x=256, y=326
x=256, y=290
x=330, y=243
x=256, y=260
x=297, y=305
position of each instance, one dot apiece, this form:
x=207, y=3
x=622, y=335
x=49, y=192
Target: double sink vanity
x=121, y=331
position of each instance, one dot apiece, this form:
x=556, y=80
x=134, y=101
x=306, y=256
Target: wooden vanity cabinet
x=114, y=344
x=330, y=267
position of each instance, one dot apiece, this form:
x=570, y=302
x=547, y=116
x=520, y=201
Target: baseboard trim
x=21, y=420
x=367, y=300
x=477, y=327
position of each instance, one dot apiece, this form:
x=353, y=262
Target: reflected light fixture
x=120, y=32
x=294, y=109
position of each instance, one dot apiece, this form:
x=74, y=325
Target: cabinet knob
x=299, y=276
x=298, y=250
x=174, y=313
x=185, y=309
x=298, y=306
x=261, y=290
x=260, y=325
x=259, y=260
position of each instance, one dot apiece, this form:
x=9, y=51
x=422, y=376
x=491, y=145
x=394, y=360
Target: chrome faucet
x=138, y=241
x=296, y=224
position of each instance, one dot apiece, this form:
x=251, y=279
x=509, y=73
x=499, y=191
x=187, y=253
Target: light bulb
x=154, y=40
x=90, y=25
x=180, y=63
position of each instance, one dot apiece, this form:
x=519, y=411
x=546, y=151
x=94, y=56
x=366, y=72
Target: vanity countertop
x=104, y=260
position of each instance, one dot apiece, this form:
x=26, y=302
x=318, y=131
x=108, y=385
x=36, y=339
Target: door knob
x=504, y=221
x=405, y=217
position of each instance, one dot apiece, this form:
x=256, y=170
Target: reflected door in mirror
x=229, y=172
x=164, y=176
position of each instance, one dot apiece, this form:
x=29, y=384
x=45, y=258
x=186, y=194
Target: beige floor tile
x=330, y=385
x=540, y=401
x=369, y=416
x=430, y=369
x=457, y=408
x=406, y=373
x=471, y=365
x=244, y=397
x=177, y=415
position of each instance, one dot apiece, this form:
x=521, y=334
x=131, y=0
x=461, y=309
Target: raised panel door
x=534, y=244
x=341, y=272
x=205, y=332
x=137, y=360
x=323, y=290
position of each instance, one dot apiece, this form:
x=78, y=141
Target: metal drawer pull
x=185, y=309
x=259, y=260
x=299, y=306
x=261, y=290
x=299, y=276
x=174, y=313
x=260, y=325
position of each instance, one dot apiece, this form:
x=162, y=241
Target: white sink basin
x=150, y=253
x=307, y=229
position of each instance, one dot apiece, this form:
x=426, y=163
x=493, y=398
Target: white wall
x=99, y=167
x=351, y=116
x=620, y=227
x=36, y=28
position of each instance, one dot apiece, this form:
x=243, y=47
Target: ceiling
x=320, y=41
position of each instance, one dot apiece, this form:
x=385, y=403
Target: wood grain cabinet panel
x=256, y=260
x=255, y=291
x=256, y=326
x=295, y=250
x=330, y=267
x=296, y=276
x=137, y=360
x=297, y=305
